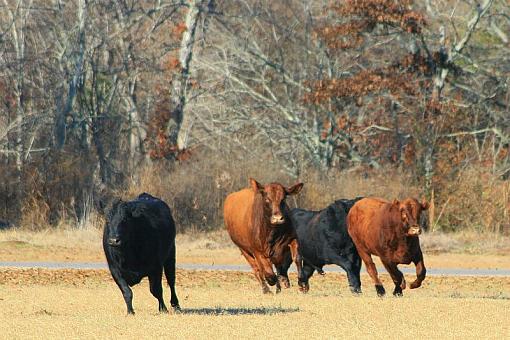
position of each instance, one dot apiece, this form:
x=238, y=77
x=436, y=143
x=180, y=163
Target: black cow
x=139, y=241
x=323, y=239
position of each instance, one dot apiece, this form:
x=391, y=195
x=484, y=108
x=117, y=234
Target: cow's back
x=365, y=221
x=159, y=215
x=322, y=233
x=237, y=212
x=152, y=236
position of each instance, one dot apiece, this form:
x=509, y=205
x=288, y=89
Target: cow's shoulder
x=301, y=217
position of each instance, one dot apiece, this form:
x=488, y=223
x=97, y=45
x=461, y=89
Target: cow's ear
x=256, y=186
x=295, y=189
x=395, y=203
x=424, y=204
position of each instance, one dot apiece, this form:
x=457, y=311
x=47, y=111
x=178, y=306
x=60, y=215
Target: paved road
x=244, y=268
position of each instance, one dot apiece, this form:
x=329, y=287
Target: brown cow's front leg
x=421, y=271
x=283, y=263
x=266, y=268
x=396, y=276
x=256, y=272
x=372, y=271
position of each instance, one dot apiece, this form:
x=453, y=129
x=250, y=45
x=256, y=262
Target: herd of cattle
x=139, y=239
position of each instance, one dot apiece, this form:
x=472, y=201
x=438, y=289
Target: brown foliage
x=364, y=83
x=388, y=12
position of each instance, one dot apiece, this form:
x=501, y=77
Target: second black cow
x=323, y=239
x=139, y=241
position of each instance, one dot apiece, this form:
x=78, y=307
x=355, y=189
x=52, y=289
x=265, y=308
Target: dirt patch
x=437, y=286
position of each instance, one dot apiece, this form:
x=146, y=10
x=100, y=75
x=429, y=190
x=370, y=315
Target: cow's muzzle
x=414, y=231
x=277, y=219
x=114, y=241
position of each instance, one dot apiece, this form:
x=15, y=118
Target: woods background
x=187, y=99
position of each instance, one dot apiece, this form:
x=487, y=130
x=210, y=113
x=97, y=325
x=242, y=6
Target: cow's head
x=273, y=197
x=119, y=221
x=410, y=210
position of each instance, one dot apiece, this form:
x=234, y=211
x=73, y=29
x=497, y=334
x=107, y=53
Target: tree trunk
x=178, y=125
x=64, y=107
x=442, y=72
x=18, y=20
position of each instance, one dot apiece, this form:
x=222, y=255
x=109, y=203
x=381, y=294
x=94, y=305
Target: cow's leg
x=258, y=275
x=352, y=268
x=282, y=270
x=127, y=293
x=396, y=276
x=303, y=276
x=266, y=268
x=372, y=271
x=420, y=271
x=156, y=289
x=170, y=278
x=296, y=258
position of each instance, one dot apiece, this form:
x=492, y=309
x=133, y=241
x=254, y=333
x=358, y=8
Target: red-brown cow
x=257, y=222
x=389, y=230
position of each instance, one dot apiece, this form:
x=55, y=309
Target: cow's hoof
x=163, y=310
x=415, y=284
x=266, y=290
x=278, y=289
x=284, y=281
x=356, y=290
x=380, y=290
x=304, y=287
x=397, y=292
x=272, y=280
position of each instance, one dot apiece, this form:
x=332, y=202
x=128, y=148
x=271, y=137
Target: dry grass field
x=75, y=304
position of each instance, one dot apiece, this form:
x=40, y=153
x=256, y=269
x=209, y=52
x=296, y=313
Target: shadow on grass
x=238, y=311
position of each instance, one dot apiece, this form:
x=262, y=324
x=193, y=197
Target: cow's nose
x=277, y=219
x=114, y=241
x=414, y=230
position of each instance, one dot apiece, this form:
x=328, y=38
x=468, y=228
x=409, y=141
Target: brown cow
x=256, y=220
x=389, y=230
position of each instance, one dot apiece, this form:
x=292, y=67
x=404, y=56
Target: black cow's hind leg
x=352, y=268
x=157, y=289
x=170, y=277
x=127, y=293
x=303, y=277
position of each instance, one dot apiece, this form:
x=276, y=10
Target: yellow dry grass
x=81, y=304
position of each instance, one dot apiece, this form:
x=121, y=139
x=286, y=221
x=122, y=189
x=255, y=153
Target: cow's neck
x=261, y=227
